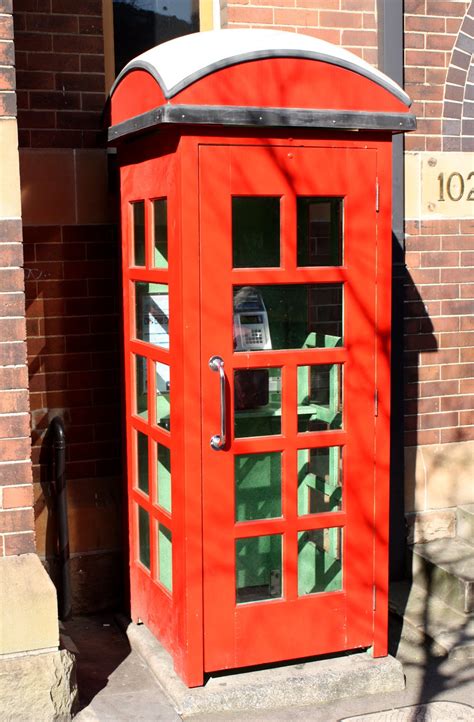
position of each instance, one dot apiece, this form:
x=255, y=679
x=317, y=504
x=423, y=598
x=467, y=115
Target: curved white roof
x=179, y=62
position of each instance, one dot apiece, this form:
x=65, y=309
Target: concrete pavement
x=115, y=684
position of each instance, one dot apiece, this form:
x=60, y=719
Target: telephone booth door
x=288, y=400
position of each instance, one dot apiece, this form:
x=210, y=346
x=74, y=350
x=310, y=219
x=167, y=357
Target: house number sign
x=439, y=185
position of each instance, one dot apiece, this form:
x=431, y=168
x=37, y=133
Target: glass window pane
x=141, y=24
x=319, y=231
x=257, y=486
x=319, y=561
x=144, y=537
x=319, y=480
x=163, y=474
x=319, y=397
x=257, y=402
x=139, y=233
x=258, y=568
x=165, y=557
x=141, y=387
x=255, y=232
x=163, y=395
x=290, y=316
x=160, y=228
x=142, y=461
x=152, y=313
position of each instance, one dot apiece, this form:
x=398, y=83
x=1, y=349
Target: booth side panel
x=189, y=660
x=137, y=93
x=151, y=289
x=382, y=429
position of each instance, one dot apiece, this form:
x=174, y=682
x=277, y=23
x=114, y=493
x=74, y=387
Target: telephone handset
x=251, y=333
x=251, y=329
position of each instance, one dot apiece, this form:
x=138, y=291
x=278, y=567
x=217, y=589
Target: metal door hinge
x=376, y=402
x=377, y=195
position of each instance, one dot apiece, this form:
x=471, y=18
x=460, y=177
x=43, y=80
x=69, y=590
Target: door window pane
x=163, y=395
x=319, y=480
x=138, y=233
x=255, y=232
x=258, y=568
x=319, y=231
x=257, y=402
x=257, y=486
x=141, y=387
x=319, y=561
x=165, y=557
x=319, y=397
x=160, y=229
x=152, y=313
x=289, y=316
x=163, y=476
x=142, y=459
x=144, y=537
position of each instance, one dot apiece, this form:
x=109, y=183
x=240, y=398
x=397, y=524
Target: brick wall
x=73, y=294
x=439, y=303
x=439, y=310
x=351, y=23
x=16, y=514
x=60, y=73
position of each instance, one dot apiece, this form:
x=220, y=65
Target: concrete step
x=445, y=567
x=450, y=632
x=465, y=523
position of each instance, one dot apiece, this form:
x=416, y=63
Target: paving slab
x=307, y=683
x=432, y=712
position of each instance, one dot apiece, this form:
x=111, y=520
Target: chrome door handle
x=216, y=363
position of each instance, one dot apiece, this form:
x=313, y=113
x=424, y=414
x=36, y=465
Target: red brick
x=436, y=41
x=53, y=61
x=15, y=449
x=466, y=354
x=340, y=19
x=457, y=403
x=453, y=340
x=13, y=427
x=14, y=377
x=450, y=275
x=89, y=82
x=429, y=58
x=7, y=52
x=457, y=242
x=19, y=473
x=16, y=521
x=457, y=307
x=87, y=7
x=423, y=243
x=17, y=497
x=414, y=40
x=424, y=24
x=420, y=436
x=444, y=356
x=466, y=386
x=362, y=38
x=457, y=371
x=425, y=276
x=438, y=388
x=434, y=421
x=467, y=323
x=458, y=433
x=440, y=260
x=12, y=353
x=445, y=7
x=6, y=27
x=38, y=6
x=47, y=23
x=19, y=543
x=91, y=25
x=10, y=231
x=92, y=63
x=246, y=14
x=466, y=417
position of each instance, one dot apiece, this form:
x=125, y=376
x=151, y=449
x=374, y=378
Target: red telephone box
x=255, y=174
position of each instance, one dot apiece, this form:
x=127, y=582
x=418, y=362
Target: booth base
x=299, y=684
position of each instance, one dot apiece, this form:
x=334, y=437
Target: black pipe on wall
x=58, y=434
